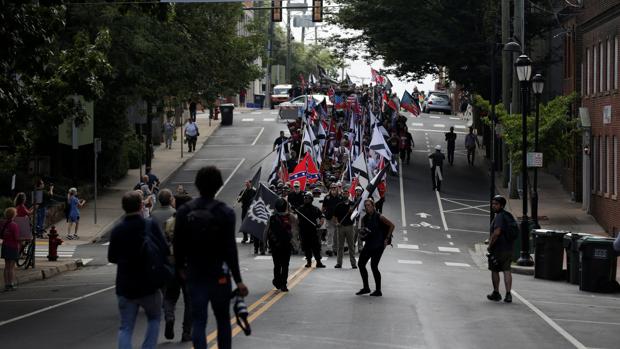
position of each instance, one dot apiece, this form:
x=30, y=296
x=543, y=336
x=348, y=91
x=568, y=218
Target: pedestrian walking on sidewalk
x=377, y=234
x=500, y=249
x=206, y=255
x=436, y=160
x=191, y=134
x=169, y=133
x=451, y=140
x=279, y=232
x=74, y=213
x=134, y=289
x=245, y=198
x=9, y=233
x=192, y=110
x=471, y=141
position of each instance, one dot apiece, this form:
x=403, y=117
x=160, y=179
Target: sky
x=358, y=70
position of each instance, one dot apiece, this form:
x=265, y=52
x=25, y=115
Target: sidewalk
x=109, y=211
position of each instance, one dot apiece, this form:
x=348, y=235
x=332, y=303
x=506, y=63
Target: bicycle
x=26, y=254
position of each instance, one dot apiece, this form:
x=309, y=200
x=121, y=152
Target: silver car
x=293, y=108
x=439, y=102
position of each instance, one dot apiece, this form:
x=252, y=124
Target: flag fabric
x=331, y=93
x=322, y=72
x=389, y=102
x=377, y=78
x=276, y=169
x=256, y=178
x=305, y=172
x=360, y=168
x=311, y=144
x=312, y=79
x=312, y=172
x=339, y=102
x=259, y=212
x=388, y=84
x=321, y=108
x=378, y=144
x=409, y=104
x=348, y=80
x=369, y=190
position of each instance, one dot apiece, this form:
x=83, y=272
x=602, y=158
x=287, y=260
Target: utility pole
x=288, y=42
x=303, y=27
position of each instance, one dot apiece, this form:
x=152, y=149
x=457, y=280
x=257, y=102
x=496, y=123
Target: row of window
x=601, y=67
x=605, y=158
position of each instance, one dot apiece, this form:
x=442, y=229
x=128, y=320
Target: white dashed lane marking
x=406, y=261
x=247, y=119
x=434, y=117
x=439, y=125
x=269, y=119
x=408, y=247
x=418, y=124
x=453, y=264
x=448, y=249
x=460, y=126
x=454, y=118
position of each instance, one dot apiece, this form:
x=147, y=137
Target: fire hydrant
x=54, y=242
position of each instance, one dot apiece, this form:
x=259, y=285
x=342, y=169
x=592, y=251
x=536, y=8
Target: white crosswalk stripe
x=258, y=258
x=63, y=251
x=408, y=247
x=256, y=112
x=454, y=118
x=453, y=264
x=449, y=249
x=247, y=119
x=434, y=117
x=406, y=261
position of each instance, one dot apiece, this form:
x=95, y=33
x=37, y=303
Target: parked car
x=281, y=93
x=292, y=109
x=437, y=101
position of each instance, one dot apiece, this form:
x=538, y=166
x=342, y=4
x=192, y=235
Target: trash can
x=227, y=113
x=597, y=267
x=259, y=100
x=571, y=247
x=548, y=254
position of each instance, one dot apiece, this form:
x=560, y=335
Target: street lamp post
x=524, y=71
x=538, y=83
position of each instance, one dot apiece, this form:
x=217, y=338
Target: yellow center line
x=294, y=279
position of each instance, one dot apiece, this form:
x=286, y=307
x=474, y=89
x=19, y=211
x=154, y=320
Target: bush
x=134, y=150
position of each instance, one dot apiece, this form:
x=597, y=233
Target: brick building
x=591, y=69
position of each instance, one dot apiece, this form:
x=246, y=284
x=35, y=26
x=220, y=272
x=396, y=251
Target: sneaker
x=494, y=296
x=308, y=265
x=69, y=237
x=284, y=289
x=508, y=298
x=320, y=265
x=377, y=293
x=338, y=266
x=186, y=337
x=354, y=267
x=169, y=331
x=363, y=291
x=75, y=237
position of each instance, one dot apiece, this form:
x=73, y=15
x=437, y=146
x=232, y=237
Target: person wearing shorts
x=74, y=213
x=9, y=232
x=500, y=251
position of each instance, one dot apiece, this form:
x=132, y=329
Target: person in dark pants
x=279, y=236
x=206, y=256
x=310, y=218
x=296, y=197
x=192, y=110
x=378, y=235
x=451, y=140
x=437, y=159
x=500, y=250
x=406, y=146
x=245, y=198
x=470, y=143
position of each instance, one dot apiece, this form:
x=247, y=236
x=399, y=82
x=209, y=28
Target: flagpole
x=263, y=158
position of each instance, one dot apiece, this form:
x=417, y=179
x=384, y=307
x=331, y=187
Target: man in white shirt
x=191, y=134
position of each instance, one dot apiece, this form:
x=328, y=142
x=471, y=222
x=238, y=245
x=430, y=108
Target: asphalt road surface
x=434, y=286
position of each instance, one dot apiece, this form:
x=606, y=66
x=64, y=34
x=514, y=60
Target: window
x=601, y=163
x=607, y=166
x=588, y=71
x=614, y=168
x=608, y=80
x=594, y=71
x=583, y=92
x=601, y=68
x=595, y=165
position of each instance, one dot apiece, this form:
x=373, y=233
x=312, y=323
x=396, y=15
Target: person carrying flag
x=310, y=218
x=245, y=198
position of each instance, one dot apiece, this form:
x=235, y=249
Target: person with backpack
x=138, y=248
x=279, y=237
x=436, y=162
x=376, y=233
x=504, y=230
x=206, y=256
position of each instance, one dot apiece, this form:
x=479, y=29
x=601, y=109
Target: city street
x=434, y=283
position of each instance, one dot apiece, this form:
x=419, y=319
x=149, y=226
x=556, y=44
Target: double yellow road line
x=263, y=303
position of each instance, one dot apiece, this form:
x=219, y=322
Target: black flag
x=259, y=212
x=256, y=178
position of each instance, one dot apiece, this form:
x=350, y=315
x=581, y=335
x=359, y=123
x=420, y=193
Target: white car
x=293, y=108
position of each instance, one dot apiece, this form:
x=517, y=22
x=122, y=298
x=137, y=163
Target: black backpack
x=157, y=268
x=512, y=226
x=205, y=237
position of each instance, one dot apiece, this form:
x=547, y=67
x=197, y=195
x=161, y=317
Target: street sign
x=76, y=136
x=534, y=159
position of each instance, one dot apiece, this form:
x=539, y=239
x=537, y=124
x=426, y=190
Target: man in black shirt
x=296, y=197
x=344, y=227
x=245, y=198
x=451, y=140
x=310, y=219
x=500, y=250
x=437, y=159
x=206, y=254
x=279, y=141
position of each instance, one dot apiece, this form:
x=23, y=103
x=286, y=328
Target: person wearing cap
x=436, y=160
x=500, y=249
x=344, y=228
x=331, y=200
x=310, y=219
x=296, y=197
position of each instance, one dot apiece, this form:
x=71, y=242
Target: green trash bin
x=227, y=113
x=597, y=264
x=571, y=247
x=548, y=254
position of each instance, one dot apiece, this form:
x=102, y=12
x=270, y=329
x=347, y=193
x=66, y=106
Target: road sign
x=76, y=136
x=303, y=21
x=534, y=159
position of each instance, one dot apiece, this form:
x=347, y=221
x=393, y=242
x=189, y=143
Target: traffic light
x=276, y=10
x=317, y=10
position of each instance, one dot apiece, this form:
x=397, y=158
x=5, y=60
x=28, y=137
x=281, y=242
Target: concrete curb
x=163, y=181
x=481, y=260
x=45, y=272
